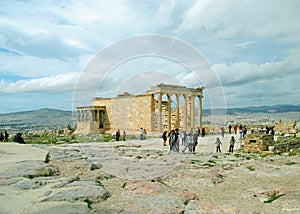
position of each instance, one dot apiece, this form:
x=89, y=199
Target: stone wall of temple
x=128, y=113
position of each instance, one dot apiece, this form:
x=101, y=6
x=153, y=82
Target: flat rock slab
x=11, y=153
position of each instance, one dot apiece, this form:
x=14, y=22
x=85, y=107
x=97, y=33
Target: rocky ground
x=144, y=177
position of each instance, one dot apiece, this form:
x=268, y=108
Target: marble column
x=200, y=111
x=193, y=112
x=159, y=120
x=177, y=111
x=185, y=112
x=169, y=113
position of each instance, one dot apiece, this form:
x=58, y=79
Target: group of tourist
x=143, y=134
x=219, y=143
x=189, y=140
x=118, y=135
x=17, y=138
x=4, y=137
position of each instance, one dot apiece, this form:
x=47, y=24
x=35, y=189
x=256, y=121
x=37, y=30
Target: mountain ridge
x=251, y=109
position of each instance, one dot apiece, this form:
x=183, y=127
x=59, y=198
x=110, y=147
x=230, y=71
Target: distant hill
x=54, y=119
x=261, y=109
x=41, y=119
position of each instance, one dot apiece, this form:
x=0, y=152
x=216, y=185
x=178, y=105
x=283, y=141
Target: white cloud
x=53, y=84
x=232, y=19
x=252, y=44
x=247, y=84
x=30, y=66
x=241, y=73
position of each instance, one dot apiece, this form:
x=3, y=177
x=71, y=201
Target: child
x=219, y=143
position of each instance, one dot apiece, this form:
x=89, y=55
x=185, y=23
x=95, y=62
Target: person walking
x=235, y=129
x=164, y=137
x=6, y=136
x=229, y=128
x=183, y=138
x=203, y=132
x=1, y=137
x=171, y=139
x=231, y=144
x=222, y=131
x=176, y=140
x=118, y=135
x=141, y=133
x=195, y=141
x=188, y=143
x=218, y=143
x=124, y=135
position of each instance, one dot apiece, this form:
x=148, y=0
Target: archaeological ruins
x=154, y=111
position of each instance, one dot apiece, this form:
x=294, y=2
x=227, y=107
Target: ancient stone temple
x=154, y=111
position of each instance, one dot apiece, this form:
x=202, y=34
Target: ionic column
x=192, y=112
x=84, y=115
x=200, y=111
x=91, y=115
x=98, y=115
x=177, y=111
x=169, y=112
x=159, y=123
x=185, y=112
x=78, y=115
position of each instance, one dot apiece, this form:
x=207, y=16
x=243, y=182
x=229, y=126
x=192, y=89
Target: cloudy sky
x=252, y=47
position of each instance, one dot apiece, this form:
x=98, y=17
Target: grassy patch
x=100, y=183
x=194, y=161
x=139, y=157
x=251, y=168
x=89, y=203
x=238, y=155
x=290, y=163
x=273, y=198
x=211, y=161
x=47, y=158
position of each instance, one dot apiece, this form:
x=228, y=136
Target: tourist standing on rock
x=1, y=137
x=218, y=143
x=6, y=136
x=203, y=132
x=141, y=133
x=188, y=143
x=244, y=132
x=229, y=128
x=164, y=137
x=118, y=135
x=241, y=134
x=176, y=140
x=19, y=139
x=222, y=131
x=195, y=141
x=124, y=135
x=183, y=138
x=231, y=144
x=144, y=134
x=171, y=139
x=235, y=129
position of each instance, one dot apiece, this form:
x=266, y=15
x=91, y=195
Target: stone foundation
x=257, y=143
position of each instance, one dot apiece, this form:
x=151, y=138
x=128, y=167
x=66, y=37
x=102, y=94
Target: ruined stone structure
x=258, y=143
x=153, y=111
x=286, y=127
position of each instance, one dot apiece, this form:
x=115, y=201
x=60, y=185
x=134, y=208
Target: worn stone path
x=144, y=177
